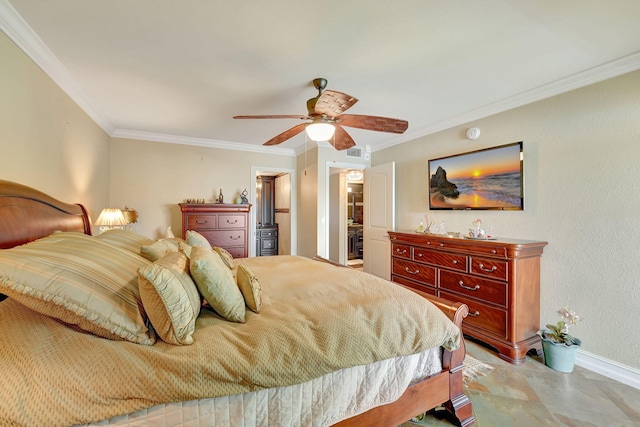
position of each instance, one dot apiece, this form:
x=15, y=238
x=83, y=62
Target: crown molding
x=200, y=142
x=617, y=67
x=17, y=29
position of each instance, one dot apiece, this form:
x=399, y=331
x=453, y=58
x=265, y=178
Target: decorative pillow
x=79, y=280
x=160, y=248
x=215, y=283
x=125, y=239
x=226, y=256
x=250, y=287
x=170, y=298
x=196, y=239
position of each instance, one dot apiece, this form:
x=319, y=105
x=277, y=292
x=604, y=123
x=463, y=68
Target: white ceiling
x=177, y=71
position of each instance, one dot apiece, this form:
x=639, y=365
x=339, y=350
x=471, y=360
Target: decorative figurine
x=244, y=198
x=476, y=232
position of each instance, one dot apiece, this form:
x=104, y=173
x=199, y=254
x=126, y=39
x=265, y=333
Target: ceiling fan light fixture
x=320, y=130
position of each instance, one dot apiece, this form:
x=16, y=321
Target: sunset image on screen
x=485, y=179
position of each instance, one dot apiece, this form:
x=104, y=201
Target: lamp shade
x=111, y=217
x=319, y=130
x=130, y=215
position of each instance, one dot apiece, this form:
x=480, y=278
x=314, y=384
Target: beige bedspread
x=316, y=318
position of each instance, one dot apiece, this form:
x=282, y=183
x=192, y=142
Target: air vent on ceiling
x=354, y=152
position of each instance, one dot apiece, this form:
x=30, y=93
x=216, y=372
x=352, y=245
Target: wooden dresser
x=498, y=279
x=224, y=225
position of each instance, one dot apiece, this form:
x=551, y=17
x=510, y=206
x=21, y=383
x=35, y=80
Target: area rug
x=474, y=368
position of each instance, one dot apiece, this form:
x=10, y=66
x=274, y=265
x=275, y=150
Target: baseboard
x=609, y=368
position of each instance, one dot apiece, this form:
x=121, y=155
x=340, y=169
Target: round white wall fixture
x=473, y=133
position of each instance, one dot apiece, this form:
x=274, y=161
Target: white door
x=379, y=218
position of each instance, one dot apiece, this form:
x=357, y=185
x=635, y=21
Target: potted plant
x=560, y=348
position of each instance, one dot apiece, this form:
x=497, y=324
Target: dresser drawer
x=490, y=249
x=225, y=238
x=268, y=233
x=201, y=221
x=495, y=269
x=441, y=259
x=231, y=221
x=237, y=251
x=474, y=287
x=402, y=251
x=415, y=285
x=487, y=318
x=414, y=271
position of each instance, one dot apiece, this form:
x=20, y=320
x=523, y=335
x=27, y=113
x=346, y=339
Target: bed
x=364, y=366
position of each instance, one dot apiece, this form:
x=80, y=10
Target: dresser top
x=506, y=246
x=214, y=207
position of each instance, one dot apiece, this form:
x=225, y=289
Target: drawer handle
x=428, y=243
x=411, y=272
x=402, y=252
x=469, y=288
x=201, y=222
x=474, y=314
x=493, y=251
x=441, y=244
x=455, y=262
x=235, y=221
x=235, y=238
x=489, y=270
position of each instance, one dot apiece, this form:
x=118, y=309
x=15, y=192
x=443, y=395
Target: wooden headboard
x=27, y=214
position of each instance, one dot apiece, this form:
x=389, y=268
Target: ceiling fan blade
x=332, y=103
x=290, y=133
x=341, y=139
x=380, y=124
x=273, y=116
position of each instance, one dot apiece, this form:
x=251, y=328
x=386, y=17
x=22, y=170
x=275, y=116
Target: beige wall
x=153, y=177
x=582, y=195
x=46, y=140
x=307, y=167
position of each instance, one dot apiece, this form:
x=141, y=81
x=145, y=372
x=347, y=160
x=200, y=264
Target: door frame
x=293, y=217
x=330, y=164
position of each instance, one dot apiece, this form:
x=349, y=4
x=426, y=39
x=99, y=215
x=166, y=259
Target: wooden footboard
x=445, y=388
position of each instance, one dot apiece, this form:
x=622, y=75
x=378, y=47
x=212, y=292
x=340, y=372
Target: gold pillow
x=226, y=256
x=125, y=239
x=196, y=239
x=170, y=298
x=160, y=248
x=250, y=287
x=215, y=282
x=81, y=281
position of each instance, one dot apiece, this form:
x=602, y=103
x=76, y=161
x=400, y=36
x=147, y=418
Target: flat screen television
x=489, y=179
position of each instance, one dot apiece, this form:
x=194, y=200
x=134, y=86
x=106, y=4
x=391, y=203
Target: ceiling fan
x=326, y=114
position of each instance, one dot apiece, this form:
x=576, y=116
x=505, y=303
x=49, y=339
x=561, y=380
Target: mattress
x=320, y=402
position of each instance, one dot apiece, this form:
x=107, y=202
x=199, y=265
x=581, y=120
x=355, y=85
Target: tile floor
x=533, y=395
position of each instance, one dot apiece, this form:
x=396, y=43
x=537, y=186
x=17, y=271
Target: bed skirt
x=320, y=402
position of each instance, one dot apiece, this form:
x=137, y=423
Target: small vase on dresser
x=498, y=279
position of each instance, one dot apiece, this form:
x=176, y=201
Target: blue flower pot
x=558, y=356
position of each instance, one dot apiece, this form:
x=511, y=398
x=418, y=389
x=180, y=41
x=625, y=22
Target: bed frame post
x=458, y=407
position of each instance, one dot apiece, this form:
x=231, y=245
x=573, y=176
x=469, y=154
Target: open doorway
x=273, y=216
x=346, y=215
